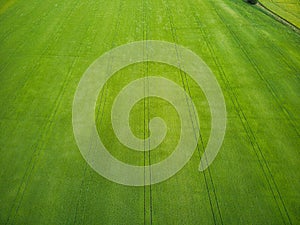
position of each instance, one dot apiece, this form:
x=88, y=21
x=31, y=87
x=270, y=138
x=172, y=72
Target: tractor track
x=38, y=147
x=252, y=138
x=80, y=202
x=277, y=17
x=31, y=71
x=21, y=44
x=217, y=216
x=254, y=64
x=146, y=101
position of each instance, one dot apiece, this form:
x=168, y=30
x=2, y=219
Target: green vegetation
x=252, y=1
x=288, y=9
x=46, y=46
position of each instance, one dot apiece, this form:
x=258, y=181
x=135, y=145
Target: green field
x=45, y=48
x=289, y=10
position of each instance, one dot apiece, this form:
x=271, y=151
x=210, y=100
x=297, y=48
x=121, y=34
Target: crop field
x=289, y=10
x=46, y=48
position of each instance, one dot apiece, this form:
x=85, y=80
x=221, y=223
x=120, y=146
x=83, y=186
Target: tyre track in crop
x=272, y=45
x=19, y=46
x=39, y=145
x=287, y=22
x=216, y=212
x=42, y=140
x=80, y=205
x=147, y=147
x=81, y=200
x=21, y=43
x=233, y=95
x=13, y=28
x=253, y=62
x=103, y=96
x=31, y=71
x=246, y=17
x=251, y=136
x=289, y=117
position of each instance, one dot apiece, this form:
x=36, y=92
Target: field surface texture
x=45, y=48
x=288, y=9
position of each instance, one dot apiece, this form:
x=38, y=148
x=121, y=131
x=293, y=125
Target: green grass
x=288, y=9
x=45, y=47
